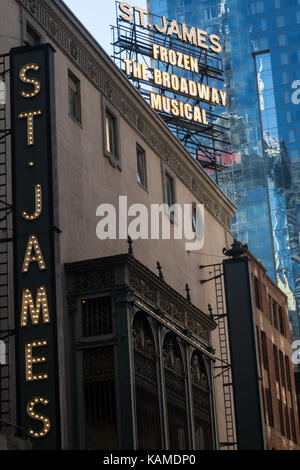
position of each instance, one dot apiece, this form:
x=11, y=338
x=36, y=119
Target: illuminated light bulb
x=29, y=115
x=33, y=245
x=38, y=204
x=34, y=311
x=32, y=81
x=33, y=360
x=33, y=414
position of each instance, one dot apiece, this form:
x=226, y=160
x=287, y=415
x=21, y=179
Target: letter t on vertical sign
x=35, y=242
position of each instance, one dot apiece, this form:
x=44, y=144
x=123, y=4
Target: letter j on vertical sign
x=35, y=243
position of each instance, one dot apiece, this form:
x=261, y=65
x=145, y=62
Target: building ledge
x=8, y=442
x=145, y=287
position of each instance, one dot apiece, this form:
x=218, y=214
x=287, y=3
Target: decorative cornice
x=203, y=188
x=94, y=280
x=101, y=272
x=147, y=297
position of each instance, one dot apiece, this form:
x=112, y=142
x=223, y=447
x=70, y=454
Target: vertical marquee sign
x=33, y=156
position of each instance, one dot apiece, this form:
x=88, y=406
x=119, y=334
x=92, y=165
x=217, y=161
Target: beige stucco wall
x=10, y=26
x=87, y=179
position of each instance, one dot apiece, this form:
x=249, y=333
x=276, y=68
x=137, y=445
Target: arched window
x=175, y=393
x=201, y=403
x=146, y=385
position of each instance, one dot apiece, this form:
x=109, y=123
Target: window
x=285, y=77
x=96, y=316
x=280, y=21
x=275, y=354
x=74, y=98
x=209, y=13
x=287, y=97
x=141, y=166
x=264, y=350
x=33, y=38
x=269, y=407
x=282, y=40
x=169, y=193
x=194, y=216
x=274, y=310
x=270, y=309
x=291, y=136
x=169, y=190
x=282, y=368
x=287, y=422
x=258, y=345
x=177, y=422
x=263, y=43
x=256, y=7
x=99, y=402
x=288, y=373
x=111, y=133
x=263, y=24
x=110, y=128
x=2, y=92
x=2, y=353
x=284, y=58
x=281, y=320
x=146, y=398
x=257, y=292
x=293, y=425
x=180, y=18
x=281, y=422
x=289, y=117
x=260, y=7
x=295, y=155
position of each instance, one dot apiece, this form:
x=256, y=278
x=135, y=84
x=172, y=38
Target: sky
x=97, y=16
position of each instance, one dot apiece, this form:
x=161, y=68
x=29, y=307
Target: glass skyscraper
x=261, y=57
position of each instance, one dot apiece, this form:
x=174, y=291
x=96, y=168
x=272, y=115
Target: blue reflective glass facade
x=261, y=55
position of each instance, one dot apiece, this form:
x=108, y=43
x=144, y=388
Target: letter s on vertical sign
x=31, y=81
x=32, y=413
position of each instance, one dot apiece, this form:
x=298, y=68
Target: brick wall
x=278, y=382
